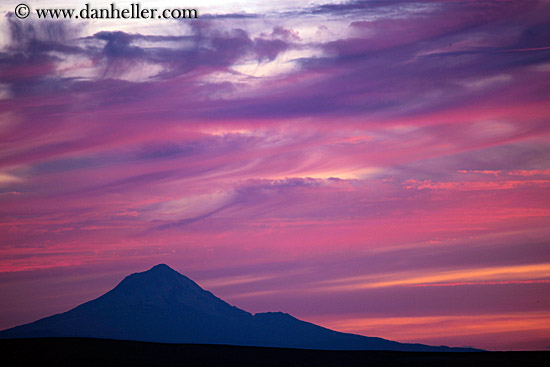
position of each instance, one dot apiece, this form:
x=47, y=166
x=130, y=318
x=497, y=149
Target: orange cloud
x=426, y=328
x=474, y=275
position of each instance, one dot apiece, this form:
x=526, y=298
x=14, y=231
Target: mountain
x=162, y=305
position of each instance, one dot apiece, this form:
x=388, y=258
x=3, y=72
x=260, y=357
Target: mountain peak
x=158, y=278
x=162, y=305
x=161, y=269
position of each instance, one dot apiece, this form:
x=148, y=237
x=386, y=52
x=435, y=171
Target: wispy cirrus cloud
x=399, y=141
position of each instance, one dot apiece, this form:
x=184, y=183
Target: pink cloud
x=416, y=145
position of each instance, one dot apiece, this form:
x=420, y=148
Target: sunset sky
x=375, y=167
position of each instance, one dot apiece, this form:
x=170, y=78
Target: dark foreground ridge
x=100, y=352
x=163, y=306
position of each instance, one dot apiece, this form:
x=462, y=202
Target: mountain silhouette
x=162, y=305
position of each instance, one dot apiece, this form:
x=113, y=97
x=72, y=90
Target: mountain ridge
x=162, y=305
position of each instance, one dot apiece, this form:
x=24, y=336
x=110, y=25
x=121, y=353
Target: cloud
x=405, y=146
x=6, y=179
